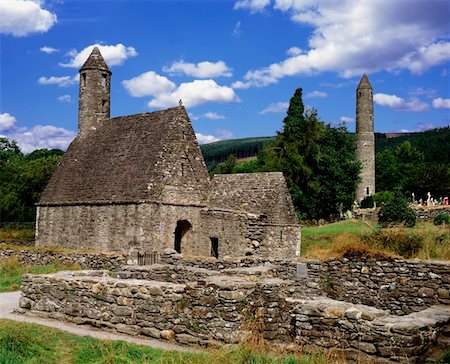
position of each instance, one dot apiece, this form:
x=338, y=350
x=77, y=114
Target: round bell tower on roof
x=95, y=93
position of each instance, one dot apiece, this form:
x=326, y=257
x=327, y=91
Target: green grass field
x=22, y=343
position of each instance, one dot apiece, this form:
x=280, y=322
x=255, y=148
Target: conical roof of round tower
x=364, y=82
x=95, y=61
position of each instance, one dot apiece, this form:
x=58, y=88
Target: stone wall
x=83, y=260
x=429, y=213
x=209, y=308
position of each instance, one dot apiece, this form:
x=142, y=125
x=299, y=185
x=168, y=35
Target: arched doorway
x=182, y=229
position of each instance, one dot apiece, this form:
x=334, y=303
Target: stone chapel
x=140, y=183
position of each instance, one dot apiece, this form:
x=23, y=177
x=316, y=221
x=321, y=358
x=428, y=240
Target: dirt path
x=10, y=301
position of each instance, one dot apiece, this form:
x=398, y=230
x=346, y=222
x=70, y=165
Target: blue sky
x=235, y=64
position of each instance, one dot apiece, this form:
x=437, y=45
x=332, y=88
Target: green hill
x=435, y=144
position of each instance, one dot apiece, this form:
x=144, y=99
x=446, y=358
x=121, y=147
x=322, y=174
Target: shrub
x=442, y=218
x=396, y=211
x=397, y=240
x=367, y=202
x=382, y=197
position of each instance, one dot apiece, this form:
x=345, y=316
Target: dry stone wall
x=200, y=306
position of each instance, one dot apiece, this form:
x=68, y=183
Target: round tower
x=365, y=147
x=95, y=93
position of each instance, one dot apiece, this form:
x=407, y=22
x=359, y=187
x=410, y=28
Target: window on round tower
x=103, y=79
x=83, y=79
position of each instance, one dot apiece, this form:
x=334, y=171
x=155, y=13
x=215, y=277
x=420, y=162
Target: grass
x=13, y=235
x=423, y=241
x=11, y=271
x=22, y=343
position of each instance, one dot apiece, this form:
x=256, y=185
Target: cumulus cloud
x=277, y=107
x=224, y=134
x=204, y=139
x=63, y=81
x=195, y=93
x=294, y=51
x=441, y=103
x=7, y=122
x=48, y=50
x=65, y=98
x=394, y=35
x=200, y=70
x=252, y=5
x=148, y=84
x=42, y=136
x=237, y=30
x=313, y=94
x=213, y=116
x=114, y=55
x=23, y=17
x=347, y=119
x=393, y=101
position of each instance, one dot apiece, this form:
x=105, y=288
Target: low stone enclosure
x=367, y=306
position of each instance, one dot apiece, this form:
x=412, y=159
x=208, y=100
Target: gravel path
x=10, y=301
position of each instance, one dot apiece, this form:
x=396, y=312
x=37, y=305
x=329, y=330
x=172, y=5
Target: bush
x=382, y=197
x=367, y=202
x=442, y=218
x=397, y=211
x=399, y=241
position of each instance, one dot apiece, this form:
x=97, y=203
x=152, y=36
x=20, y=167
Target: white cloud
x=252, y=5
x=148, y=84
x=237, y=30
x=204, y=139
x=399, y=103
x=441, y=103
x=63, y=81
x=200, y=70
x=114, y=55
x=43, y=136
x=65, y=98
x=294, y=51
x=347, y=119
x=394, y=35
x=48, y=50
x=224, y=134
x=213, y=115
x=7, y=122
x=193, y=117
x=316, y=94
x=23, y=17
x=277, y=107
x=195, y=93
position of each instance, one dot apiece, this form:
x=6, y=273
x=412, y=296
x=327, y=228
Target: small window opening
x=83, y=79
x=104, y=106
x=103, y=79
x=215, y=247
x=182, y=169
x=359, y=93
x=367, y=191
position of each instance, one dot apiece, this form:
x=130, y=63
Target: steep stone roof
x=258, y=193
x=95, y=61
x=364, y=82
x=130, y=158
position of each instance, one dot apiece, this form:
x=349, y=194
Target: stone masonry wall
x=217, y=309
x=83, y=260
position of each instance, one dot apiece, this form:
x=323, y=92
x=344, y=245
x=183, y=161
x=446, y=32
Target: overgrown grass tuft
x=13, y=235
x=11, y=271
x=22, y=343
x=424, y=241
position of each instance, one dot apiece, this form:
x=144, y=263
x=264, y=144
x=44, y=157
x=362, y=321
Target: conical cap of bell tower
x=364, y=82
x=95, y=62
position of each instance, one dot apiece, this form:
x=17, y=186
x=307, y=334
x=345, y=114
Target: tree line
x=23, y=177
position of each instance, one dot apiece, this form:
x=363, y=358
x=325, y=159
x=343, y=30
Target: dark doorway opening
x=183, y=226
x=215, y=247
